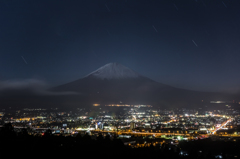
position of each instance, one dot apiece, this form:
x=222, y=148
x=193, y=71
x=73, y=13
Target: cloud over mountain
x=27, y=87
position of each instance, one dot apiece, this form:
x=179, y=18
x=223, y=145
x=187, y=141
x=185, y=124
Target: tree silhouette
x=8, y=130
x=107, y=137
x=79, y=136
x=100, y=137
x=24, y=133
x=48, y=133
x=87, y=137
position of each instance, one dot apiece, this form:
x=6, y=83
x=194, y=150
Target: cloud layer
x=28, y=87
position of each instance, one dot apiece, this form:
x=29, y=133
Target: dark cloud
x=28, y=87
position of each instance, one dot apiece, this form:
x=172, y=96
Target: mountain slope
x=110, y=77
x=110, y=84
x=114, y=82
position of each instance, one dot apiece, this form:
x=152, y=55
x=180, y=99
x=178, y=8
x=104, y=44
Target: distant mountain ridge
x=109, y=75
x=114, y=82
x=111, y=84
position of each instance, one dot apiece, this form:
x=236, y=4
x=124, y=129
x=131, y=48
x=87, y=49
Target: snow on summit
x=114, y=71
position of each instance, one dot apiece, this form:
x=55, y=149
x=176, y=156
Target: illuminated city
x=136, y=126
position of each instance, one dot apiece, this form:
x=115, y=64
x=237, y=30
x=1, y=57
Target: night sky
x=191, y=44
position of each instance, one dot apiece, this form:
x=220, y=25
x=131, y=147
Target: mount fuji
x=114, y=83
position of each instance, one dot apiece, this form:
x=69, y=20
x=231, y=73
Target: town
x=135, y=120
x=137, y=126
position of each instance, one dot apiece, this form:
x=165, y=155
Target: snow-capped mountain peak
x=114, y=71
